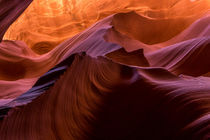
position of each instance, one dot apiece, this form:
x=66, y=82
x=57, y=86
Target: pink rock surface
x=128, y=76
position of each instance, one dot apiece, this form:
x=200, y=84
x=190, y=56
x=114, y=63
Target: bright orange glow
x=128, y=69
x=52, y=21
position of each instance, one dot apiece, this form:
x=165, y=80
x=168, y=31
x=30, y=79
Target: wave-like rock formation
x=140, y=71
x=47, y=23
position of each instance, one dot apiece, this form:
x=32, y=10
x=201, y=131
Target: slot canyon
x=104, y=70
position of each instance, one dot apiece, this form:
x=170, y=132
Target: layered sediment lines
x=47, y=23
x=131, y=75
x=107, y=100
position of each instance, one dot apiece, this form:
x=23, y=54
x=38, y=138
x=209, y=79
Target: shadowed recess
x=104, y=70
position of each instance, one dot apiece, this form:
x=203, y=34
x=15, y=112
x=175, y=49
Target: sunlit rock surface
x=105, y=70
x=47, y=23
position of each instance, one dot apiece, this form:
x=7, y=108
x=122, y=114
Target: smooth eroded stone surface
x=105, y=70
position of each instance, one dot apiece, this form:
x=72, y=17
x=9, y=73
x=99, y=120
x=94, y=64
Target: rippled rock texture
x=104, y=70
